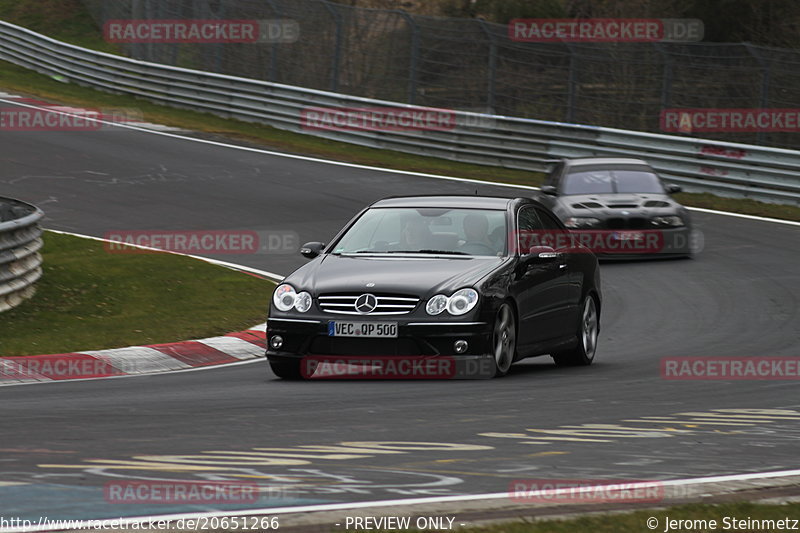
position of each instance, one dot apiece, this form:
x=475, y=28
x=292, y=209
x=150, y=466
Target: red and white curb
x=135, y=360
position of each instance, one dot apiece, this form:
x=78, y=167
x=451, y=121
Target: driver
x=415, y=234
x=476, y=234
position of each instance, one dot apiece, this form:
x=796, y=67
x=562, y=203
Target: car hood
x=606, y=205
x=414, y=275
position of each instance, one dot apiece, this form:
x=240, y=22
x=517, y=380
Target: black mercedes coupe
x=471, y=279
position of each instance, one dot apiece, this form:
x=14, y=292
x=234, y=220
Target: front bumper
x=415, y=337
x=631, y=243
x=422, y=350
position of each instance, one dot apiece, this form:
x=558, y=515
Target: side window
x=529, y=229
x=554, y=233
x=548, y=222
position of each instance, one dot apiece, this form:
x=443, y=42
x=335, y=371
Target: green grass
x=630, y=522
x=65, y=20
x=750, y=207
x=89, y=298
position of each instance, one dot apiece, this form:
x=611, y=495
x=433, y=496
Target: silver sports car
x=618, y=208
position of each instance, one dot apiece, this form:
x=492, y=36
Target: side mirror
x=672, y=188
x=549, y=190
x=310, y=250
x=539, y=254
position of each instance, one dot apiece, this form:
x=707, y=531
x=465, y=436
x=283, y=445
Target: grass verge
x=90, y=299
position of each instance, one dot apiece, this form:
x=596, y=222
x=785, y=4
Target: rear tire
x=286, y=369
x=588, y=330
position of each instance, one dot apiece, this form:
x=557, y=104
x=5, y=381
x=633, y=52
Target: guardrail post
x=492, y=74
x=412, y=67
x=337, y=47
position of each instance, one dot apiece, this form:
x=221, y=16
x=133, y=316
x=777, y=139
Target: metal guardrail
x=20, y=242
x=699, y=165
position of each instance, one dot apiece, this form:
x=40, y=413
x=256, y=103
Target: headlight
x=437, y=304
x=581, y=222
x=285, y=298
x=460, y=302
x=669, y=221
x=302, y=302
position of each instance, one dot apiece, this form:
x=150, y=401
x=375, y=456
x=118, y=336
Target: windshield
x=426, y=231
x=611, y=181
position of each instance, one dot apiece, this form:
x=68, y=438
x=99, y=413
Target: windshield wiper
x=448, y=252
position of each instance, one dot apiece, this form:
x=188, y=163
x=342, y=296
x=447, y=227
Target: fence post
x=337, y=50
x=273, y=50
x=492, y=74
x=666, y=77
x=766, y=74
x=220, y=46
x=412, y=67
x=572, y=84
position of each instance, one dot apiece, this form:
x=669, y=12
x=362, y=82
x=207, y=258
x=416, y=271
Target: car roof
x=605, y=161
x=448, y=201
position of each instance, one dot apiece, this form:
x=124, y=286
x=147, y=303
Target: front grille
x=623, y=206
x=388, y=304
x=627, y=223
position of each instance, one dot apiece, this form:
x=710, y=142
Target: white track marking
x=233, y=346
x=138, y=360
x=194, y=369
x=416, y=501
x=234, y=266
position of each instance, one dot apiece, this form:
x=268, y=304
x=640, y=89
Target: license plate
x=362, y=329
x=628, y=235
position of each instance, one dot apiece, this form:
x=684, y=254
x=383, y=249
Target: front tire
x=504, y=340
x=588, y=331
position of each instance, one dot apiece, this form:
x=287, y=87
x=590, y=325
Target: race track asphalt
x=63, y=443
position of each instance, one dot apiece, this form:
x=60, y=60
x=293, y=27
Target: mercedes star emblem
x=366, y=303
